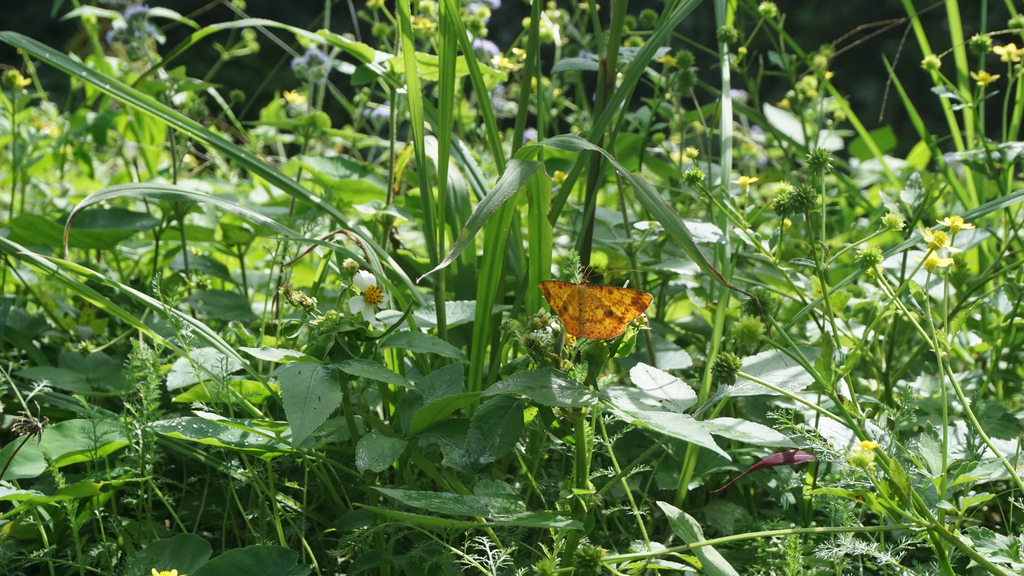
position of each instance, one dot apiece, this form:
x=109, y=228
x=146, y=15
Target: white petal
x=356, y=303
x=368, y=315
x=383, y=300
x=364, y=280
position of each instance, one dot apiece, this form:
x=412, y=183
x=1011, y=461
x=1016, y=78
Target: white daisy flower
x=370, y=298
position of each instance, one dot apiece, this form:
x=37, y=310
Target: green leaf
x=31, y=498
x=581, y=64
x=254, y=561
x=995, y=547
x=438, y=502
x=545, y=387
x=494, y=430
x=420, y=343
x=362, y=368
x=428, y=68
x=222, y=305
x=276, y=354
x=310, y=393
x=746, y=431
x=440, y=409
x=501, y=498
x=637, y=407
x=79, y=440
x=376, y=452
x=712, y=562
x=250, y=390
x=237, y=435
x=776, y=369
x=668, y=389
x=527, y=520
x=885, y=140
x=212, y=364
x=183, y=552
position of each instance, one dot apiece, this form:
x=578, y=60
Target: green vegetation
x=284, y=343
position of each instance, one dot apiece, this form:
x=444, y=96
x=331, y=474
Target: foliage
x=300, y=343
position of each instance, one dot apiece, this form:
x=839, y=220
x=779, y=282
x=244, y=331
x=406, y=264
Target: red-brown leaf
x=787, y=458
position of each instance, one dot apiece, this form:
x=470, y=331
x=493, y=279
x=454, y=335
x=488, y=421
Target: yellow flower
x=742, y=50
x=167, y=573
x=558, y=177
x=294, y=97
x=933, y=262
x=1008, y=53
x=503, y=64
x=867, y=444
x=983, y=78
x=423, y=23
x=936, y=240
x=828, y=74
x=745, y=182
x=375, y=4
x=956, y=224
x=668, y=60
x=784, y=104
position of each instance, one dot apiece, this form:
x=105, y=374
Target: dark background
x=864, y=32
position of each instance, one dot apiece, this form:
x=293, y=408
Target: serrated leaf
x=377, y=452
x=637, y=407
x=310, y=393
x=438, y=502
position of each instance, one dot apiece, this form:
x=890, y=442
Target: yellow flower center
x=373, y=295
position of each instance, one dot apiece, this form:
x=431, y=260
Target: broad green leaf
x=428, y=69
x=182, y=552
x=746, y=431
x=276, y=354
x=501, y=498
x=996, y=547
x=440, y=409
x=546, y=387
x=252, y=391
x=362, y=368
x=222, y=305
x=72, y=441
x=254, y=561
x=246, y=439
x=438, y=502
x=212, y=364
x=494, y=430
x=310, y=393
x=30, y=498
x=445, y=381
x=581, y=64
x=420, y=343
x=775, y=368
x=376, y=452
x=712, y=562
x=637, y=407
x=27, y=463
x=672, y=391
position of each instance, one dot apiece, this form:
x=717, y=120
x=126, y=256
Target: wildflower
x=725, y=368
x=529, y=135
x=312, y=66
x=350, y=266
x=867, y=444
x=819, y=161
x=691, y=154
x=768, y=10
x=742, y=50
x=980, y=44
x=375, y=4
x=745, y=182
x=894, y=221
x=933, y=262
x=784, y=104
x=371, y=297
x=694, y=177
x=13, y=78
x=167, y=573
x=727, y=35
x=1008, y=53
x=486, y=46
x=983, y=78
x=134, y=32
x=869, y=257
x=931, y=63
x=503, y=64
x=935, y=240
x=864, y=456
x=294, y=97
x=668, y=61
x=747, y=331
x=558, y=177
x=956, y=224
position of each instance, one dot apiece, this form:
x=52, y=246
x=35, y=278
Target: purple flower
x=529, y=135
x=133, y=12
x=488, y=47
x=382, y=111
x=313, y=66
